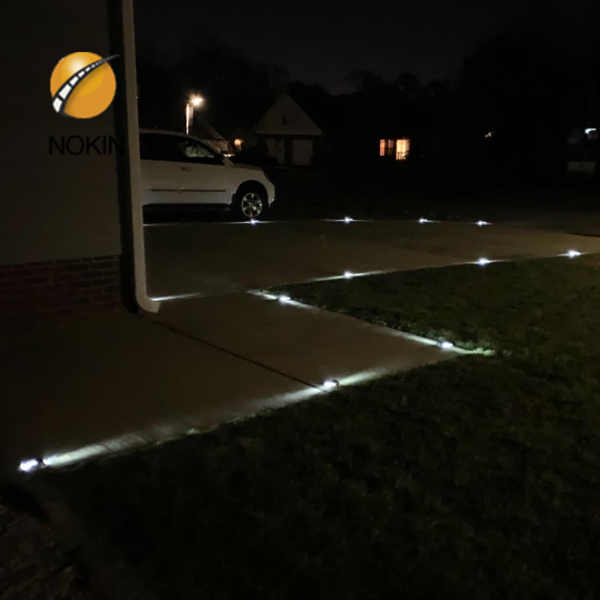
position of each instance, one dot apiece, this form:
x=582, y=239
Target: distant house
x=204, y=131
x=288, y=132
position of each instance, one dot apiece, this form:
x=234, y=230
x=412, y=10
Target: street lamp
x=194, y=101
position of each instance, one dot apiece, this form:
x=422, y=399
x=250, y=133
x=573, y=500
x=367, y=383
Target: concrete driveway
x=211, y=259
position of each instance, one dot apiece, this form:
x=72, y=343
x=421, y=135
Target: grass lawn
x=545, y=312
x=477, y=477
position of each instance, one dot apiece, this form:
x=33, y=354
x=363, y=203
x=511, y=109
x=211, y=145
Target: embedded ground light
x=29, y=465
x=331, y=384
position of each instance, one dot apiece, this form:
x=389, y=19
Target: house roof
x=203, y=129
x=286, y=117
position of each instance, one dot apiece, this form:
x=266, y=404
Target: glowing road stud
x=348, y=274
x=446, y=345
x=483, y=261
x=331, y=384
x=29, y=465
x=573, y=253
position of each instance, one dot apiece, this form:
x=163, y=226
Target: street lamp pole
x=194, y=101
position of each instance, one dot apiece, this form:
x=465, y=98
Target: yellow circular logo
x=82, y=85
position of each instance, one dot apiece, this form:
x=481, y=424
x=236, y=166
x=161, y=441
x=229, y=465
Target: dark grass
x=545, y=312
x=403, y=191
x=478, y=477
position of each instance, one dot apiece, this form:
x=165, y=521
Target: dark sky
x=319, y=43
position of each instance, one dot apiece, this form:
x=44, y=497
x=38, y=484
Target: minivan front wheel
x=250, y=203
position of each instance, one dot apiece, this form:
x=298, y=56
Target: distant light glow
x=238, y=143
x=348, y=274
x=483, y=261
x=573, y=253
x=590, y=130
x=331, y=384
x=253, y=221
x=489, y=134
x=402, y=149
x=394, y=148
x=446, y=345
x=481, y=223
x=194, y=101
x=424, y=220
x=29, y=465
x=284, y=299
x=346, y=220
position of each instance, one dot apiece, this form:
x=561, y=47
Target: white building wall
x=53, y=207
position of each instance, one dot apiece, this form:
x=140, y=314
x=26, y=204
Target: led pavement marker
x=29, y=465
x=331, y=384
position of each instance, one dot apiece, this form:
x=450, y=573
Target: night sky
x=319, y=44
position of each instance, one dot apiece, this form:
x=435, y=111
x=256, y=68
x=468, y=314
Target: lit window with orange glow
x=381, y=147
x=238, y=143
x=402, y=149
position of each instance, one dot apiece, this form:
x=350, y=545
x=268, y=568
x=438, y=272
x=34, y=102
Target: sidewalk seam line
x=177, y=331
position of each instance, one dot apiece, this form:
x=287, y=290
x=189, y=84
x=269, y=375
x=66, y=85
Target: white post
x=135, y=187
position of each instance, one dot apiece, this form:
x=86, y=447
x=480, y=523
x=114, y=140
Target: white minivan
x=179, y=169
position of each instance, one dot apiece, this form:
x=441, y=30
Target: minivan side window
x=154, y=146
x=189, y=149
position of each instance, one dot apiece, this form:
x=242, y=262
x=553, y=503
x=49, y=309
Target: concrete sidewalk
x=93, y=386
x=300, y=341
x=84, y=381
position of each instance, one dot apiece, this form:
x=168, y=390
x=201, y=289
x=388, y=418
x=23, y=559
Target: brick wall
x=61, y=286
